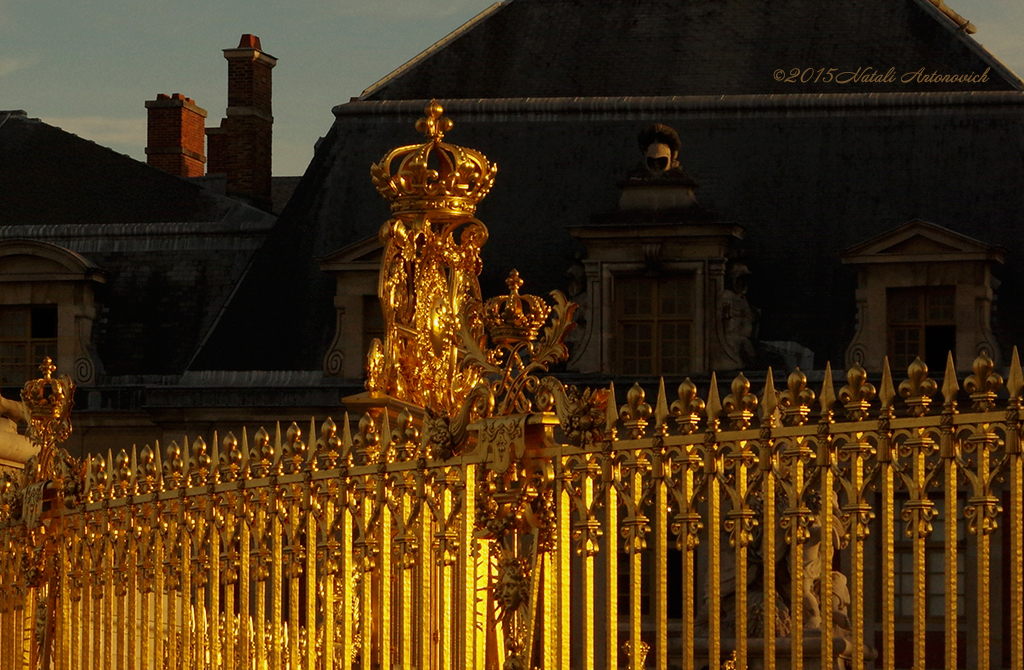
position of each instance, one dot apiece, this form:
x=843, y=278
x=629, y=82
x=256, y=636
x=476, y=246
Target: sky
x=88, y=66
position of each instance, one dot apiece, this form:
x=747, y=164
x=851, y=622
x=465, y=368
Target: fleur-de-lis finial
x=984, y=384
x=47, y=368
x=858, y=393
x=918, y=389
x=433, y=125
x=741, y=403
x=796, y=400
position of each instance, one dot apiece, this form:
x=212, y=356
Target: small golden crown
x=434, y=176
x=515, y=318
x=48, y=397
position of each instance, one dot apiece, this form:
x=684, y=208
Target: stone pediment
x=919, y=240
x=354, y=256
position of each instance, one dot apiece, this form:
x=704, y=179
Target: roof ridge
x=433, y=48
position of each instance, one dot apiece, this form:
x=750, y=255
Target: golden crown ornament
x=515, y=318
x=48, y=401
x=434, y=176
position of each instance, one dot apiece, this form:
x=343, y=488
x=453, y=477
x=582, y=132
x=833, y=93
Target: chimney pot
x=250, y=42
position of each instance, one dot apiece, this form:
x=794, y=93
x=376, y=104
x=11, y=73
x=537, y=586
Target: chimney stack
x=175, y=135
x=241, y=147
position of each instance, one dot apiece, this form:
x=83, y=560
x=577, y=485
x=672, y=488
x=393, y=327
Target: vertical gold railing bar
x=470, y=562
x=588, y=609
x=920, y=571
x=311, y=589
x=134, y=613
x=244, y=616
x=27, y=630
x=950, y=540
x=856, y=559
x=64, y=630
x=148, y=632
x=660, y=585
x=424, y=577
x=444, y=650
x=769, y=528
x=796, y=567
x=76, y=630
x=213, y=616
x=185, y=603
x=120, y=629
x=549, y=608
x=827, y=548
x=294, y=567
x=108, y=606
x=482, y=550
x=5, y=638
x=227, y=630
x=1016, y=549
x=740, y=548
x=634, y=557
x=276, y=588
x=384, y=576
x=714, y=562
x=344, y=583
x=158, y=599
x=327, y=592
x=366, y=592
x=984, y=556
x=888, y=536
x=689, y=551
x=408, y=597
x=260, y=615
x=563, y=579
x=95, y=648
x=611, y=586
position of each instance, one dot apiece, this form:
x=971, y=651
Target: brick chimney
x=241, y=147
x=175, y=135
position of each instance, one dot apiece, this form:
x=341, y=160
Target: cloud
x=104, y=130
x=9, y=65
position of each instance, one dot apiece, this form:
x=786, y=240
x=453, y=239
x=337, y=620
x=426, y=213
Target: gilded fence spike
x=276, y=467
x=1015, y=383
x=661, y=412
x=611, y=415
x=828, y=391
x=688, y=408
x=714, y=405
x=984, y=384
x=328, y=446
x=158, y=467
x=769, y=398
x=346, y=440
x=294, y=448
x=387, y=450
x=215, y=462
x=950, y=386
x=261, y=456
x=123, y=474
x=199, y=466
x=311, y=448
x=887, y=393
x=244, y=447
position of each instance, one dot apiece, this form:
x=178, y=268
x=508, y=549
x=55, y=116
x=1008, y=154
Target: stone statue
x=739, y=318
x=12, y=410
x=659, y=145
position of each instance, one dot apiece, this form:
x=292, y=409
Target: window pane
x=939, y=303
x=637, y=348
x=675, y=347
x=44, y=322
x=676, y=294
x=636, y=295
x=14, y=322
x=903, y=305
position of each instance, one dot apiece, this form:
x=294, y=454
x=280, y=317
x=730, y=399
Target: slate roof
x=173, y=251
x=556, y=48
x=555, y=92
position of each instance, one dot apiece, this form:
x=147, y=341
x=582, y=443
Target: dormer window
x=922, y=291
x=28, y=334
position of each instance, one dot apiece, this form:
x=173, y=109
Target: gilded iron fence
x=543, y=540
